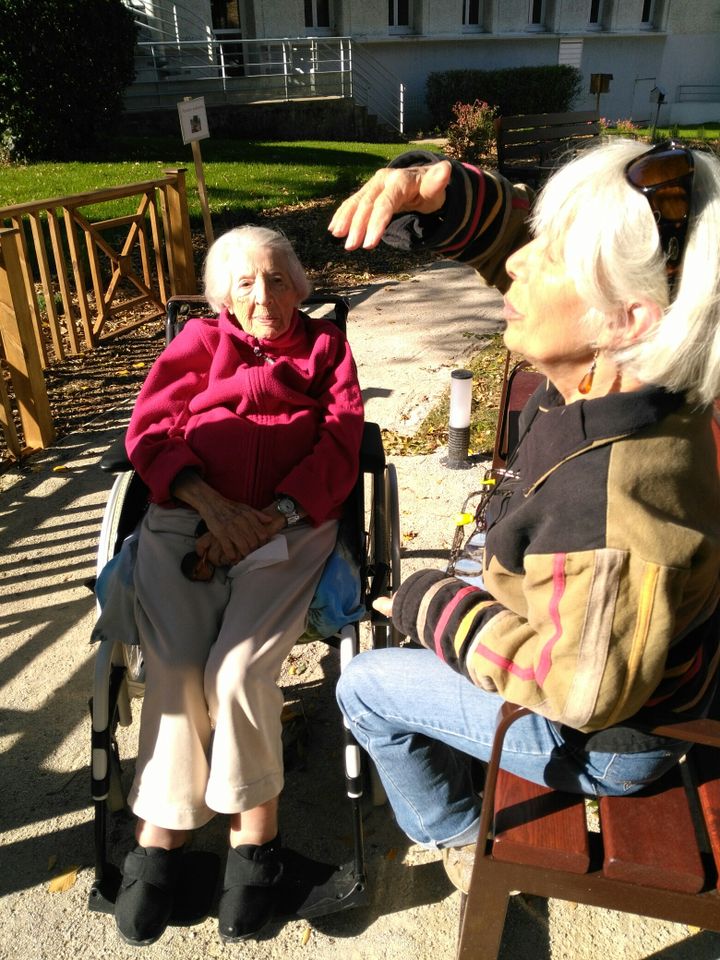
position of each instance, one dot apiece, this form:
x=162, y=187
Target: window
x=472, y=13
x=648, y=14
x=317, y=14
x=536, y=16
x=536, y=12
x=225, y=15
x=399, y=14
x=596, y=14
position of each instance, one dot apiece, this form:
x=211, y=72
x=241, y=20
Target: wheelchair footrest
x=104, y=890
x=313, y=889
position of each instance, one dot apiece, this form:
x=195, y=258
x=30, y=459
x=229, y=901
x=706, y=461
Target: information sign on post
x=193, y=119
x=194, y=127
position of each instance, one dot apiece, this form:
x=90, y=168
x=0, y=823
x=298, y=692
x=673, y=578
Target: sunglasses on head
x=664, y=176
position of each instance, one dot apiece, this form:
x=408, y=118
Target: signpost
x=194, y=126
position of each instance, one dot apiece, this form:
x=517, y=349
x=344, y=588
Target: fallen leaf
x=52, y=860
x=391, y=854
x=64, y=881
x=59, y=468
x=306, y=934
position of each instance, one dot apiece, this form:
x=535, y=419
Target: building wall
x=679, y=46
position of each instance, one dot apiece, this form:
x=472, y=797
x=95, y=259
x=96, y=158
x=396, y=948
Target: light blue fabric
x=421, y=722
x=115, y=593
x=337, y=599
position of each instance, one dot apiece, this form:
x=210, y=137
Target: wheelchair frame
x=118, y=674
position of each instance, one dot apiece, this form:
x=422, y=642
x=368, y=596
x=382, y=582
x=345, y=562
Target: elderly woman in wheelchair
x=247, y=434
x=599, y=610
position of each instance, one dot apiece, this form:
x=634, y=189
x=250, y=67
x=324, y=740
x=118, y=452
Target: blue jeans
x=422, y=723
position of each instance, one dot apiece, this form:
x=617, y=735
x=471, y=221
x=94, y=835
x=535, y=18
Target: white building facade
x=667, y=45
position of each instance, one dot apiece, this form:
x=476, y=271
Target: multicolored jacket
x=602, y=563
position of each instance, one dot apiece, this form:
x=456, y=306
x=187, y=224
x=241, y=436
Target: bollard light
x=459, y=423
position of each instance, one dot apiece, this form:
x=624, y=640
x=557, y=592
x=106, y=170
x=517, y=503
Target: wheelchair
x=371, y=528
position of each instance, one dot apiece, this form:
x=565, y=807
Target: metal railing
x=377, y=88
x=231, y=70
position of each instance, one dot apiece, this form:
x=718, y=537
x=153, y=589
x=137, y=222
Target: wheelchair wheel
x=125, y=506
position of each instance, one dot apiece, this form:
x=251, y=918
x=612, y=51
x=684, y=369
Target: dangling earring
x=585, y=385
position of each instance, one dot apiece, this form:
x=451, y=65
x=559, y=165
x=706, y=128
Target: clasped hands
x=235, y=530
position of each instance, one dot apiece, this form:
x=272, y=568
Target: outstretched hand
x=364, y=216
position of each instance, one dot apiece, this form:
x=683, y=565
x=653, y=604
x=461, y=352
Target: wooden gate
x=69, y=282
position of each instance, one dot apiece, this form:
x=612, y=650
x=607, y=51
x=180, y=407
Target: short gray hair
x=219, y=273
x=611, y=249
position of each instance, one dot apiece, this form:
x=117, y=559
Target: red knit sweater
x=251, y=428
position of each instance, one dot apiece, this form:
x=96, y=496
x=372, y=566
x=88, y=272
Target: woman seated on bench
x=247, y=429
x=602, y=558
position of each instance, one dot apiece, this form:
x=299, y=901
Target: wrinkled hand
x=234, y=531
x=364, y=216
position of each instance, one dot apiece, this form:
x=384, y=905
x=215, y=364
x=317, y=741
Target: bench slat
x=705, y=763
x=547, y=119
x=650, y=839
x=540, y=135
x=538, y=826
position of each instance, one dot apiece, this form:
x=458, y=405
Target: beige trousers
x=210, y=731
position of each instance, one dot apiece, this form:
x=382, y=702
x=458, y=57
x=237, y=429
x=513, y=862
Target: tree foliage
x=63, y=67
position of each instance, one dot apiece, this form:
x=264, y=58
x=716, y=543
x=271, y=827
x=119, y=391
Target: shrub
x=626, y=127
x=471, y=136
x=63, y=67
x=545, y=89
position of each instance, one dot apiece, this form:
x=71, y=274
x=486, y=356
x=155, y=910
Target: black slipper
x=147, y=894
x=247, y=903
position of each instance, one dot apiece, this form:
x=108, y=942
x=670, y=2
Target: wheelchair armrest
x=372, y=454
x=115, y=458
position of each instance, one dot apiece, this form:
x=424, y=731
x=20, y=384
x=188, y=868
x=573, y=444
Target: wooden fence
x=68, y=283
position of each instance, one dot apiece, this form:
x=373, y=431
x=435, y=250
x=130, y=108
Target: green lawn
x=242, y=177
x=706, y=131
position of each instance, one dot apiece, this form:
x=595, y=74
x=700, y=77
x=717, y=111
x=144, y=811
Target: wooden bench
x=655, y=853
x=530, y=147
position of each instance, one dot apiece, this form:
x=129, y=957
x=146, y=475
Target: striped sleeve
x=484, y=219
x=442, y=613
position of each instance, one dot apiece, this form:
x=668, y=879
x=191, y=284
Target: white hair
x=612, y=252
x=223, y=255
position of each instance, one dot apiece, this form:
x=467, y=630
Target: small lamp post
x=459, y=422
